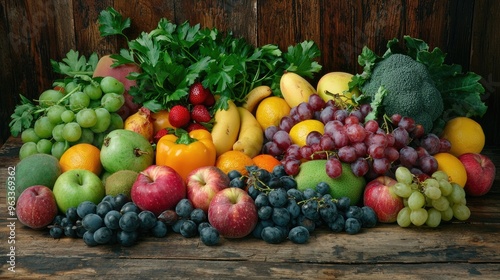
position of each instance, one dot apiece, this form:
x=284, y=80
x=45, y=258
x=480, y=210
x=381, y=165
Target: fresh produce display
x=196, y=132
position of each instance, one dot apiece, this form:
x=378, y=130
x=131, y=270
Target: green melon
x=313, y=172
x=36, y=169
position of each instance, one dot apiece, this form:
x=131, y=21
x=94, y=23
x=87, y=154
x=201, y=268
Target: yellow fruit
x=234, y=160
x=336, y=83
x=255, y=96
x=251, y=136
x=453, y=167
x=349, y=185
x=295, y=89
x=82, y=156
x=299, y=131
x=226, y=128
x=271, y=110
x=465, y=136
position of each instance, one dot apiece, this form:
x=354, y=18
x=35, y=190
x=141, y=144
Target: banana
x=226, y=128
x=255, y=96
x=295, y=89
x=251, y=136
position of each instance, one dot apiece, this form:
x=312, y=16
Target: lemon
x=271, y=110
x=453, y=167
x=313, y=172
x=465, y=136
x=298, y=133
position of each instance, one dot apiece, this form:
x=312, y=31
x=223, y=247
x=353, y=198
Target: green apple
x=75, y=186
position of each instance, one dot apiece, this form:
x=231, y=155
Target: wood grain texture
x=484, y=61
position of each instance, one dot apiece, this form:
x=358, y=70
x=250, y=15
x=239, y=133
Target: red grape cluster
x=371, y=147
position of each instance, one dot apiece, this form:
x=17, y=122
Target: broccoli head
x=410, y=90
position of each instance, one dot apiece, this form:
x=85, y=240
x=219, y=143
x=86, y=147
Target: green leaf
x=74, y=64
x=111, y=22
x=300, y=59
x=376, y=104
x=23, y=116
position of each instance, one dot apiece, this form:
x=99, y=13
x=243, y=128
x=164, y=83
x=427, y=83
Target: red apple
x=104, y=68
x=233, y=213
x=158, y=188
x=379, y=195
x=203, y=183
x=480, y=173
x=36, y=207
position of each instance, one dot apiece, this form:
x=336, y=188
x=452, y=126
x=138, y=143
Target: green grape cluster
x=84, y=113
x=430, y=201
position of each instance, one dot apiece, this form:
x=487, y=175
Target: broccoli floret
x=410, y=89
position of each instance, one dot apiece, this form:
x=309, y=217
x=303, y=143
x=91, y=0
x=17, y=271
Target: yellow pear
x=336, y=83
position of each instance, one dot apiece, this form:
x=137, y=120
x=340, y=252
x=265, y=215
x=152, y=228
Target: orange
x=234, y=160
x=82, y=156
x=453, y=167
x=298, y=133
x=271, y=110
x=265, y=161
x=465, y=136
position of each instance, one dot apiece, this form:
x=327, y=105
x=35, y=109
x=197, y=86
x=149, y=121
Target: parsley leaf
x=301, y=57
x=23, y=116
x=74, y=64
x=112, y=22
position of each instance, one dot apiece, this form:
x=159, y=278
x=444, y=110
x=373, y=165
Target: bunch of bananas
x=238, y=129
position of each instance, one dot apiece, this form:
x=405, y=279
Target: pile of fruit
x=162, y=138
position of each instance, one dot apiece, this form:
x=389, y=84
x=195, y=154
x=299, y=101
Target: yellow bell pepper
x=185, y=151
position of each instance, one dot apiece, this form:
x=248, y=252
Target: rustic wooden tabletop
x=458, y=250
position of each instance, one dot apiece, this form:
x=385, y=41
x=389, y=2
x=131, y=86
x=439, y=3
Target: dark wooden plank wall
x=36, y=31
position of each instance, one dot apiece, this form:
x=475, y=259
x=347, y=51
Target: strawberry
x=179, y=116
x=200, y=114
x=162, y=132
x=210, y=100
x=197, y=94
x=193, y=126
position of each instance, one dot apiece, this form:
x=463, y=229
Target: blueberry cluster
x=114, y=220
x=190, y=222
x=286, y=212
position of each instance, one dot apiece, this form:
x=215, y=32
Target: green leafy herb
x=172, y=57
x=74, y=64
x=114, y=22
x=24, y=115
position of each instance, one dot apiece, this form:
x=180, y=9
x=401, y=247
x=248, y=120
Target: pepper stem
x=183, y=137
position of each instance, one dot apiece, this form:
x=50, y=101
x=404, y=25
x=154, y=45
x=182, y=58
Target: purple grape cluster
x=371, y=147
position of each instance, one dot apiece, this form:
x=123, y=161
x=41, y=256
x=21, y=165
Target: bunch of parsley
x=172, y=57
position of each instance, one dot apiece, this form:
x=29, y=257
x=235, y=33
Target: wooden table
x=458, y=250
